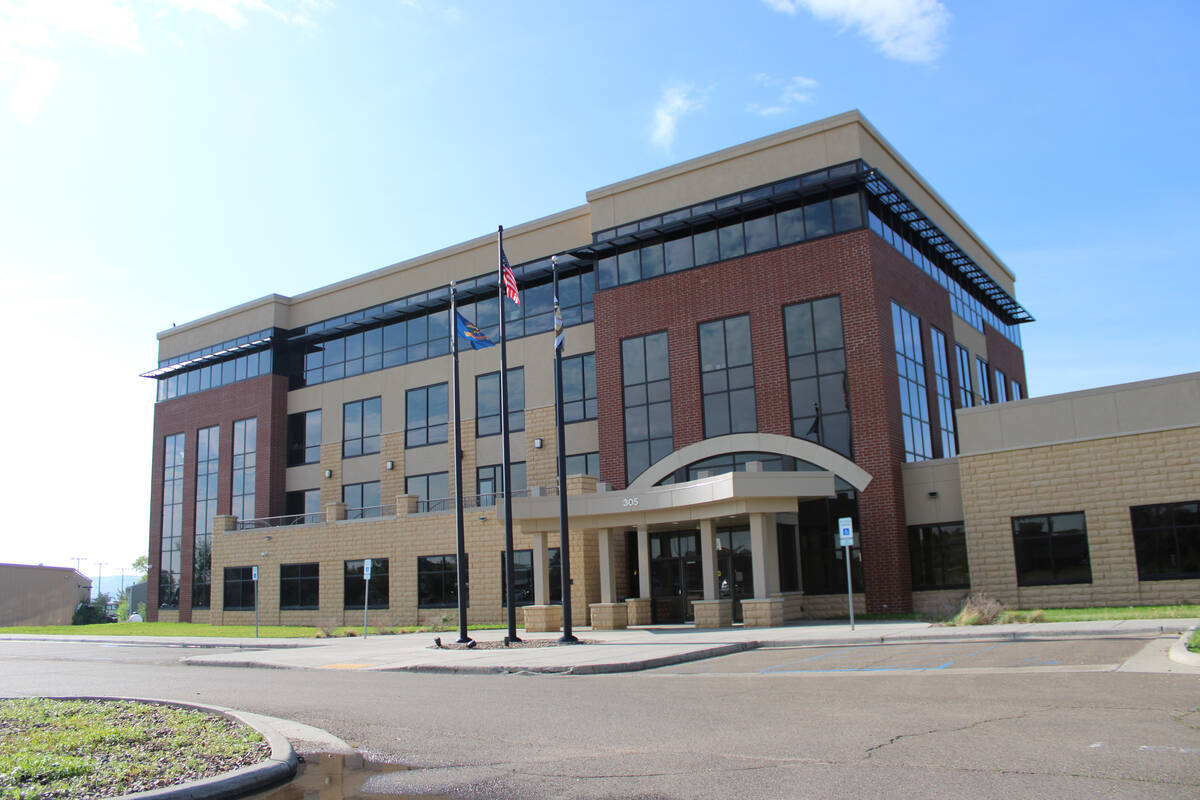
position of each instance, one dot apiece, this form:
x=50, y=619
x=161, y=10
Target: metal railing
x=371, y=512
x=281, y=521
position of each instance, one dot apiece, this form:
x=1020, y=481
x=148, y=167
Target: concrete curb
x=150, y=641
x=279, y=767
x=1179, y=652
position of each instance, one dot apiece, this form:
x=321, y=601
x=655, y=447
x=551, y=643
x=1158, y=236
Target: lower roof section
x=719, y=496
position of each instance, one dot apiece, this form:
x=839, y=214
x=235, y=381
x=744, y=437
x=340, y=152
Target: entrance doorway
x=675, y=576
x=735, y=568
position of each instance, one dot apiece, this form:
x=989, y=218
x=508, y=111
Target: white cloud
x=906, y=30
x=674, y=102
x=793, y=91
x=30, y=31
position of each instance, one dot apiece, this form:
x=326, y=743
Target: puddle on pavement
x=331, y=776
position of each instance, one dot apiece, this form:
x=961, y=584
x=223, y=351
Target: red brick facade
x=264, y=398
x=868, y=275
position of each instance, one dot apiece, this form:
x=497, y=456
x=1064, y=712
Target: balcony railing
x=280, y=521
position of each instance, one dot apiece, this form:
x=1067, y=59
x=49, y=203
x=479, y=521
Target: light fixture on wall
x=391, y=465
x=933, y=494
x=537, y=443
x=328, y=473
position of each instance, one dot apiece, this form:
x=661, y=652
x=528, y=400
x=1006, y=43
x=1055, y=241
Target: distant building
x=33, y=595
x=760, y=341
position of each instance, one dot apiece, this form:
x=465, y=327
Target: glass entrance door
x=675, y=576
x=735, y=569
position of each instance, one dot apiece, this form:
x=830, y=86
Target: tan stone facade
x=1102, y=478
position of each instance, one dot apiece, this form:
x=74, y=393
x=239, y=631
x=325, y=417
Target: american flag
x=510, y=280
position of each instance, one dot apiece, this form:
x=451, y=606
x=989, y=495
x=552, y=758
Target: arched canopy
x=801, y=449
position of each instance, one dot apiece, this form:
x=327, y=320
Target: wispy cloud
x=906, y=30
x=35, y=35
x=674, y=102
x=792, y=92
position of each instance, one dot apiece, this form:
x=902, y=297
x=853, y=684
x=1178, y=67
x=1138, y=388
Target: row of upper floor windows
x=210, y=376
x=213, y=349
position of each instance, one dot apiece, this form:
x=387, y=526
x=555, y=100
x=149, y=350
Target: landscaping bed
x=107, y=748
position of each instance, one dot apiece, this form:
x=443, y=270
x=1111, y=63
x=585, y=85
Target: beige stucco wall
x=1103, y=477
x=938, y=476
x=31, y=595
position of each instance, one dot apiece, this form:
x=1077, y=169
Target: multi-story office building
x=758, y=342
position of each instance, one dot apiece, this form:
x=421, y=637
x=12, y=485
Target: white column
x=643, y=539
x=764, y=554
x=708, y=557
x=608, y=574
x=541, y=571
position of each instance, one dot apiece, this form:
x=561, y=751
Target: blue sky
x=164, y=159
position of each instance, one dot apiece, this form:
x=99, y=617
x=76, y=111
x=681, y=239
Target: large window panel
x=207, y=459
x=437, y=581
x=356, y=590
x=914, y=399
x=304, y=438
x=362, y=424
x=362, y=500
x=427, y=412
x=1051, y=549
x=487, y=402
x=170, y=563
x=817, y=373
x=579, y=387
x=646, y=378
x=938, y=556
x=727, y=377
x=299, y=586
x=947, y=437
x=1166, y=538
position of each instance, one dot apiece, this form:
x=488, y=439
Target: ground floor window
x=299, y=585
x=1166, y=538
x=356, y=587
x=437, y=581
x=523, y=570
x=822, y=559
x=938, y=555
x=239, y=588
x=1051, y=548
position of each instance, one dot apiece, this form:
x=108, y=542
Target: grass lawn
x=227, y=631
x=1103, y=613
x=1194, y=642
x=96, y=749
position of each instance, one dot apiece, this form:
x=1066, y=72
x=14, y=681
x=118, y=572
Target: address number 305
x=629, y=502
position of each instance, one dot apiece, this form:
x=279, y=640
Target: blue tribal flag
x=470, y=333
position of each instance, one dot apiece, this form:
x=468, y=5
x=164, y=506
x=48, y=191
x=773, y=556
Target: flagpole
x=461, y=556
x=506, y=465
x=564, y=535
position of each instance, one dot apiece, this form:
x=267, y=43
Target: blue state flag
x=471, y=334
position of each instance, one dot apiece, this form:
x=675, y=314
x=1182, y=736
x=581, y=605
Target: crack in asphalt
x=870, y=751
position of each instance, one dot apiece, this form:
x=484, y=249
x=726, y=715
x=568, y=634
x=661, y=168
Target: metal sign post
x=366, y=592
x=254, y=577
x=846, y=540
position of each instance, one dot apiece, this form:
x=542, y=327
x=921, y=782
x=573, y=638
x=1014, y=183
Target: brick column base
x=609, y=616
x=639, y=610
x=763, y=613
x=539, y=619
x=714, y=613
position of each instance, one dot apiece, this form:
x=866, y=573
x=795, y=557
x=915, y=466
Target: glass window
x=584, y=464
x=172, y=521
x=965, y=395
x=818, y=220
x=679, y=254
x=985, y=390
x=579, y=387
x=437, y=581
x=646, y=378
x=245, y=463
x=487, y=402
x=304, y=438
x=523, y=583
x=705, y=247
x=207, y=452
x=306, y=502
x=1001, y=387
x=941, y=377
x=432, y=491
x=299, y=586
x=817, y=373
x=791, y=225
x=362, y=426
x=732, y=241
x=938, y=556
x=489, y=482
x=822, y=559
x=1051, y=549
x=362, y=500
x=847, y=212
x=427, y=412
x=357, y=591
x=239, y=590
x=727, y=377
x=1166, y=539
x=760, y=234
x=914, y=400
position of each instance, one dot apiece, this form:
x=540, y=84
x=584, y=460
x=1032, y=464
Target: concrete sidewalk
x=605, y=651
x=640, y=648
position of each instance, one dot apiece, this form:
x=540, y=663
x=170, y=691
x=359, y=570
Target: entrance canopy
x=719, y=496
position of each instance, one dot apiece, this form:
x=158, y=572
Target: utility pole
x=77, y=561
x=100, y=576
